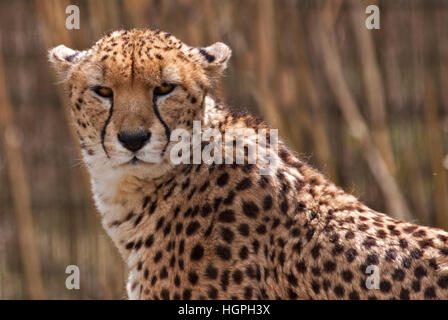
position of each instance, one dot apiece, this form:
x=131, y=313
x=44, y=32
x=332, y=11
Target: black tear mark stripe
x=103, y=131
x=167, y=129
x=132, y=66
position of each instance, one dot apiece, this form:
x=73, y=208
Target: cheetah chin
x=224, y=231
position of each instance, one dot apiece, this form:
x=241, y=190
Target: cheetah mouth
x=135, y=161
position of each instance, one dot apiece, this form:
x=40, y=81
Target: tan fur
x=224, y=231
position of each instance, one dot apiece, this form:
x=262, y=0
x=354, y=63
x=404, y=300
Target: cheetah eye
x=104, y=92
x=164, y=89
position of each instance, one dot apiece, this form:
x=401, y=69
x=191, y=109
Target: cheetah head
x=131, y=90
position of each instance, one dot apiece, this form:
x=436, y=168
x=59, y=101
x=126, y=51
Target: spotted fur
x=216, y=231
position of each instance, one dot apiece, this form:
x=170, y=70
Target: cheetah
x=217, y=230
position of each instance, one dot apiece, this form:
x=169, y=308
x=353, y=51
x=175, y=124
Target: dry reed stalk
x=408, y=163
x=104, y=16
x=442, y=42
x=136, y=10
x=373, y=87
x=52, y=17
x=395, y=201
x=265, y=39
x=435, y=143
x=318, y=131
x=20, y=193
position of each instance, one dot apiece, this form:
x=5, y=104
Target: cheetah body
x=224, y=231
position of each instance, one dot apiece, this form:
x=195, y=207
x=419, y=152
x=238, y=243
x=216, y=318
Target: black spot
x=197, y=252
x=227, y=235
x=250, y=209
x=372, y=259
x=227, y=216
x=138, y=220
x=315, y=251
x=255, y=245
x=284, y=206
x=237, y=276
x=329, y=266
x=310, y=234
x=261, y=229
x=406, y=263
x=138, y=244
x=416, y=254
x=243, y=229
x=244, y=252
x=297, y=247
x=291, y=294
x=165, y=294
x=354, y=295
x=223, y=179
x=186, y=295
x=267, y=202
x=206, y=210
x=153, y=280
x=217, y=203
x=149, y=241
x=315, y=286
x=223, y=252
x=158, y=256
x=167, y=229
x=403, y=243
x=211, y=272
x=347, y=275
x=292, y=280
x=160, y=223
x=204, y=186
x=229, y=200
x=244, y=184
x=443, y=282
x=212, y=292
x=416, y=286
x=404, y=294
x=193, y=277
x=385, y=286
x=390, y=255
x=339, y=291
x=248, y=293
x=224, y=280
x=301, y=267
x=179, y=227
x=337, y=250
x=192, y=228
x=163, y=273
x=398, y=275
x=181, y=246
x=430, y=293
x=130, y=245
x=420, y=272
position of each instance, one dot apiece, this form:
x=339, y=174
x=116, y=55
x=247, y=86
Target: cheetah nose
x=134, y=141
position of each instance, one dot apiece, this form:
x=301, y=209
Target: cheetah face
x=131, y=90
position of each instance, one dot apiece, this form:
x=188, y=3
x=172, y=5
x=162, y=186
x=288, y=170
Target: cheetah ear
x=215, y=57
x=63, y=59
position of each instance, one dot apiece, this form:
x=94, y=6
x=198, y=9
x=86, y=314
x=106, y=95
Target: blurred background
x=369, y=108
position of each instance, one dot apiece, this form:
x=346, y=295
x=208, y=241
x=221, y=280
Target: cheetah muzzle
x=224, y=231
